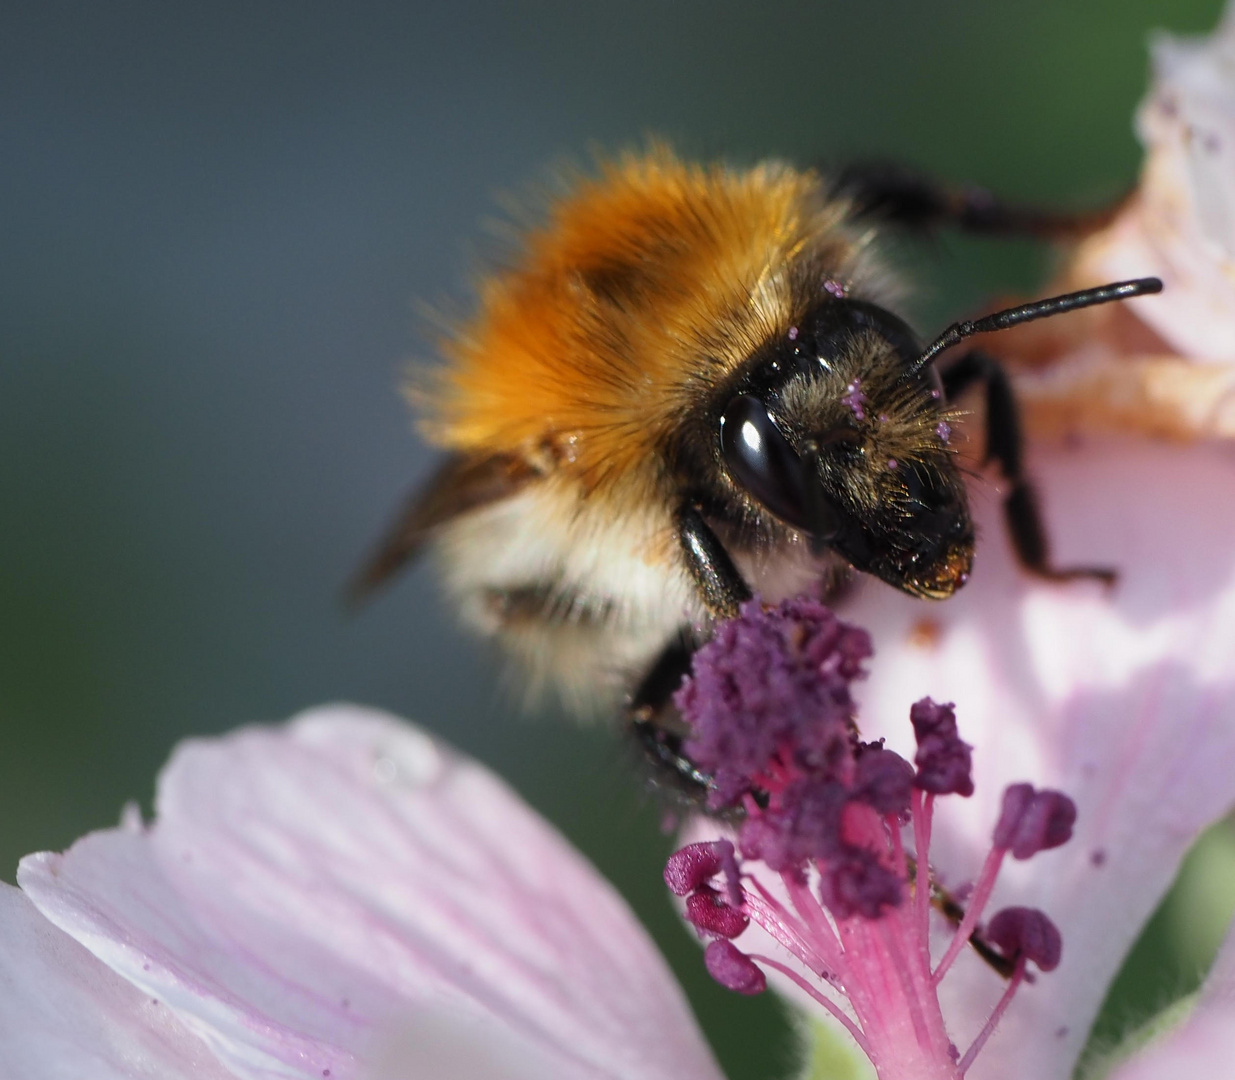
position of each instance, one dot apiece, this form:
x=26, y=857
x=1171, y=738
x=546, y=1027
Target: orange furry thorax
x=647, y=286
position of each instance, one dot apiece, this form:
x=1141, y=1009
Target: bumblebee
x=689, y=388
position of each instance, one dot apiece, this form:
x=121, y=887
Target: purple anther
x=770, y=681
x=805, y=824
x=706, y=911
x=883, y=780
x=696, y=864
x=1031, y=821
x=793, y=333
x=945, y=763
x=835, y=288
x=944, y=430
x=1026, y=932
x=857, y=883
x=733, y=969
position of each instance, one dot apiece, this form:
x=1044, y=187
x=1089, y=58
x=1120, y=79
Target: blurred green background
x=216, y=221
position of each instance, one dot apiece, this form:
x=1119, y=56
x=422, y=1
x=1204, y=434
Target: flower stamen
x=814, y=992
x=772, y=720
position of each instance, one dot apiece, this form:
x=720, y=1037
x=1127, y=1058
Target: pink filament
x=1018, y=976
x=922, y=810
x=768, y=912
x=823, y=1000
x=981, y=894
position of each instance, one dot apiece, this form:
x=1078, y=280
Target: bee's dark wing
x=461, y=483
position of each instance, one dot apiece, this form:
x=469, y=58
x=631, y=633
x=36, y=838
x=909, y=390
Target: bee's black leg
x=720, y=585
x=1003, y=445
x=657, y=728
x=901, y=196
x=654, y=722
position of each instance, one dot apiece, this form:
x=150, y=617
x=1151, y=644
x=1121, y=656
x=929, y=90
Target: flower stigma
x=832, y=855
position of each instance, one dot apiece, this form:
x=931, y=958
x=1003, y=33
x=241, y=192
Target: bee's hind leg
x=1022, y=512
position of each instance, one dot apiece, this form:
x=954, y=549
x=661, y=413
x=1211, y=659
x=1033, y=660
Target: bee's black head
x=839, y=429
x=831, y=432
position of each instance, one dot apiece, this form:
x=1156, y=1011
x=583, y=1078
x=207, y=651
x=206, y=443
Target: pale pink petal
x=1181, y=225
x=442, y=1042
x=1204, y=1044
x=307, y=891
x=66, y=1016
x=1124, y=700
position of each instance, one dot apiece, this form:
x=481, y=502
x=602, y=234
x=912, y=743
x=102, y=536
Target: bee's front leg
x=721, y=586
x=654, y=722
x=1022, y=512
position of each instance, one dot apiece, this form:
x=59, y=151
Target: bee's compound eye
x=761, y=459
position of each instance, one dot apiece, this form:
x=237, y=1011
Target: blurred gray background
x=216, y=223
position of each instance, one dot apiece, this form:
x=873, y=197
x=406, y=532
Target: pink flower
x=822, y=862
x=345, y=897
x=1125, y=700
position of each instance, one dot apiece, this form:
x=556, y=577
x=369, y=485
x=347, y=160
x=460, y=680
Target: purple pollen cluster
x=1031, y=821
x=828, y=819
x=696, y=864
x=1025, y=932
x=733, y=969
x=855, y=397
x=771, y=712
x=771, y=679
x=945, y=764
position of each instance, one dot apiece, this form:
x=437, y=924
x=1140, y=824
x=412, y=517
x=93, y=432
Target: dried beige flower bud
x=1162, y=366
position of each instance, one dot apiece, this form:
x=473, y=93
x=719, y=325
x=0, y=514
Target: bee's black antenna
x=1039, y=309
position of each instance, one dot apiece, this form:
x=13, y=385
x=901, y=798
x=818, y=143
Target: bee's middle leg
x=1022, y=511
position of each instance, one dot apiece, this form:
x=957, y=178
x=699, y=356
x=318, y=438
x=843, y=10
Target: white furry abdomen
x=615, y=590
x=612, y=588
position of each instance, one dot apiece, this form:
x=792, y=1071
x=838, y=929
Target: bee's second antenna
x=1038, y=309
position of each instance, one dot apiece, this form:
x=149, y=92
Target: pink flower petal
x=64, y=1015
x=309, y=891
x=440, y=1042
x=1204, y=1044
x=1125, y=701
